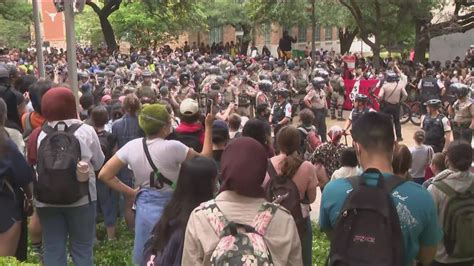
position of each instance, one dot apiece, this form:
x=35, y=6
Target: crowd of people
x=212, y=157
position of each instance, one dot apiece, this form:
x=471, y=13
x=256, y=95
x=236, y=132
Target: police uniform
x=463, y=113
x=356, y=113
x=147, y=90
x=318, y=106
x=279, y=112
x=337, y=96
x=244, y=101
x=435, y=129
x=430, y=89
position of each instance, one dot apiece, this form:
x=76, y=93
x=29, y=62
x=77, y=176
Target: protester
x=349, y=165
x=15, y=194
x=61, y=221
x=374, y=144
x=402, y=161
x=446, y=189
x=155, y=163
x=422, y=155
x=239, y=201
x=255, y=129
x=234, y=126
x=287, y=164
x=196, y=184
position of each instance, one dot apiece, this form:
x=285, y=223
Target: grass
x=119, y=252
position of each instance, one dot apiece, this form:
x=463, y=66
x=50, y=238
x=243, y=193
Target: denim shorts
x=150, y=204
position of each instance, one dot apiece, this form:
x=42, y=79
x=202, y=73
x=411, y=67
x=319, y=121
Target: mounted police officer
x=337, y=95
x=436, y=126
x=315, y=100
x=463, y=112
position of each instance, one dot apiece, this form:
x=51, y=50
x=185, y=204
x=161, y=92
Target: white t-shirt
x=168, y=155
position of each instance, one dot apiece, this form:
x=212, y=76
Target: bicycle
x=418, y=110
x=374, y=103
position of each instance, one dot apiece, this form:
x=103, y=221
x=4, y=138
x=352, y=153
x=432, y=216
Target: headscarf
x=152, y=118
x=243, y=167
x=335, y=133
x=58, y=104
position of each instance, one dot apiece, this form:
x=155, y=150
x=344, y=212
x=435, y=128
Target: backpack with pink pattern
x=240, y=244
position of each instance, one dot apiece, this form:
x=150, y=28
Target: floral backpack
x=240, y=244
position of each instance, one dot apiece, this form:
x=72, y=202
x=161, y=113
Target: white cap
x=189, y=107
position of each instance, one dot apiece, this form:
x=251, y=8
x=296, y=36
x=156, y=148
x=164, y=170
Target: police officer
x=147, y=88
x=360, y=108
x=280, y=115
x=463, y=112
x=264, y=86
x=337, y=95
x=391, y=94
x=430, y=86
x=436, y=126
x=244, y=98
x=315, y=100
x=186, y=89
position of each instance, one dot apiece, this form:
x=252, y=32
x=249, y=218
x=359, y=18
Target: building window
x=328, y=33
x=215, y=35
x=302, y=34
x=267, y=30
x=317, y=33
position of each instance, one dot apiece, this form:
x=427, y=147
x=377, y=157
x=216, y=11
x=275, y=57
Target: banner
x=364, y=88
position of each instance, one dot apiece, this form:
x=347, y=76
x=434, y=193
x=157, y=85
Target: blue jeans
x=107, y=200
x=61, y=223
x=307, y=244
x=150, y=204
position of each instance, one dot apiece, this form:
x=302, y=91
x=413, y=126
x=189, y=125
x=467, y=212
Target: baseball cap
x=189, y=107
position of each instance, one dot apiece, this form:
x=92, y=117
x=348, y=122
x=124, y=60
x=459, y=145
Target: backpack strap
x=72, y=128
x=47, y=129
x=393, y=182
x=214, y=216
x=264, y=217
x=446, y=189
x=303, y=130
x=271, y=170
x=156, y=172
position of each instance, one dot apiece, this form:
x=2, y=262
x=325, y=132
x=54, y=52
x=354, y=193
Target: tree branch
x=357, y=14
x=94, y=7
x=111, y=7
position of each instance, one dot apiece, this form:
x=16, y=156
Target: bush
x=320, y=246
x=119, y=252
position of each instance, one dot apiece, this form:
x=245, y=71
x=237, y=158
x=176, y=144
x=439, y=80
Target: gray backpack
x=458, y=221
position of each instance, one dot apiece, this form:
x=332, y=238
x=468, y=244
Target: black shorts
x=10, y=212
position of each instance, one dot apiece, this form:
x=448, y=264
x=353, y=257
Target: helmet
x=82, y=74
x=214, y=70
x=146, y=74
x=290, y=64
x=239, y=65
x=142, y=62
x=121, y=63
x=215, y=61
x=430, y=72
x=433, y=103
x=220, y=80
x=172, y=81
x=112, y=67
x=264, y=77
x=284, y=76
x=164, y=90
x=215, y=86
x=183, y=77
x=338, y=71
x=265, y=85
x=392, y=77
x=461, y=90
x=361, y=97
x=109, y=73
x=280, y=62
x=318, y=83
x=283, y=92
x=275, y=76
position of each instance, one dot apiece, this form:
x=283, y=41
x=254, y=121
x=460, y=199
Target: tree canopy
x=15, y=18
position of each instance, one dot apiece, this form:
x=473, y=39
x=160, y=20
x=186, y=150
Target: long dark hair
x=195, y=185
x=289, y=140
x=3, y=133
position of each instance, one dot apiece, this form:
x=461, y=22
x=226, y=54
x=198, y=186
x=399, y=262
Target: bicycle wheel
x=416, y=112
x=405, y=113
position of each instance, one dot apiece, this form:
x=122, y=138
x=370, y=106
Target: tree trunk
x=376, y=56
x=246, y=38
x=108, y=31
x=421, y=42
x=346, y=37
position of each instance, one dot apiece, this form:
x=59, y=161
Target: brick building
x=269, y=35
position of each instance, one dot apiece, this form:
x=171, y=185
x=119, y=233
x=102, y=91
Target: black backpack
x=106, y=144
x=190, y=139
x=59, y=151
x=283, y=190
x=368, y=229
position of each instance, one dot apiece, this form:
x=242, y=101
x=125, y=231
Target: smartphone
x=209, y=104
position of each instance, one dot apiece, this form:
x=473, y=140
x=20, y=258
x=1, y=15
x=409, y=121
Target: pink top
x=305, y=178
